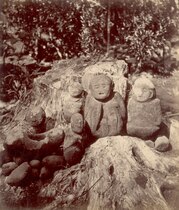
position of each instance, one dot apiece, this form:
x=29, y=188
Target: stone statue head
x=101, y=86
x=77, y=123
x=75, y=89
x=143, y=90
x=35, y=116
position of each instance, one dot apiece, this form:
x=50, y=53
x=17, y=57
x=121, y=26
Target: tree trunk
x=119, y=172
x=108, y=27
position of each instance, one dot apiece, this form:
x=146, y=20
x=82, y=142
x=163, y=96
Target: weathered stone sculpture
x=115, y=69
x=75, y=137
x=32, y=151
x=73, y=101
x=36, y=119
x=104, y=108
x=144, y=110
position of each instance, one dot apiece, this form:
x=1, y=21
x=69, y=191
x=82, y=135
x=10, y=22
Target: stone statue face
x=143, y=93
x=75, y=89
x=101, y=87
x=35, y=116
x=77, y=123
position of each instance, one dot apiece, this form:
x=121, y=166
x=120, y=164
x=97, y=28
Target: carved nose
x=139, y=92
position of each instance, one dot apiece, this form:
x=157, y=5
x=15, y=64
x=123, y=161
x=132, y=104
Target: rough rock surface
x=144, y=119
x=174, y=134
x=117, y=171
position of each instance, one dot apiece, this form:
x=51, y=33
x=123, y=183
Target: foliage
x=48, y=29
x=54, y=30
x=138, y=31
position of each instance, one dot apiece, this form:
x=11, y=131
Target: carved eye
x=96, y=86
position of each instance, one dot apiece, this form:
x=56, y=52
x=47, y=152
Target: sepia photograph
x=89, y=104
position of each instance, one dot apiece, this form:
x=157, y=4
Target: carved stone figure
x=144, y=110
x=73, y=101
x=36, y=119
x=30, y=148
x=75, y=137
x=104, y=109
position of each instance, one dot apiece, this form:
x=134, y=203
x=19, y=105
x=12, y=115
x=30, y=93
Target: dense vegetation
x=140, y=32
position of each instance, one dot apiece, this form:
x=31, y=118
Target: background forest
x=36, y=33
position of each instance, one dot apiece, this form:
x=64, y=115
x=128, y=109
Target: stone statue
x=104, y=109
x=31, y=151
x=75, y=137
x=73, y=101
x=144, y=110
x=36, y=119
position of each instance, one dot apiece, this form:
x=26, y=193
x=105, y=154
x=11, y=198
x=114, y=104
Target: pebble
x=162, y=144
x=7, y=168
x=18, y=174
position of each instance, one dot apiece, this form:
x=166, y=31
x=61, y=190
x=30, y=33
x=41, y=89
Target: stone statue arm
x=71, y=139
x=92, y=113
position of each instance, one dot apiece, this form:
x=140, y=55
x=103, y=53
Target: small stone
x=162, y=144
x=18, y=174
x=7, y=168
x=35, y=163
x=53, y=161
x=44, y=173
x=4, y=157
x=150, y=143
